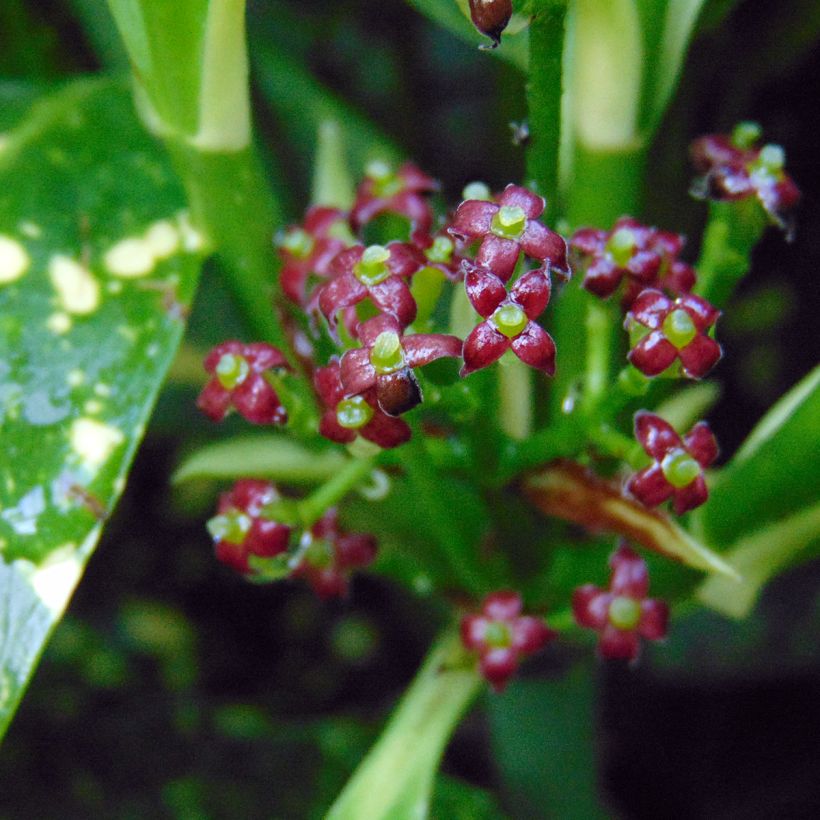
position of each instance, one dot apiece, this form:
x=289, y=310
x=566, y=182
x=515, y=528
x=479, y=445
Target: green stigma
x=232, y=370
x=746, y=134
x=679, y=328
x=621, y=246
x=386, y=354
x=624, y=613
x=679, y=468
x=772, y=158
x=477, y=190
x=319, y=554
x=497, y=635
x=385, y=182
x=297, y=242
x=231, y=527
x=372, y=268
x=510, y=320
x=441, y=250
x=509, y=222
x=353, y=413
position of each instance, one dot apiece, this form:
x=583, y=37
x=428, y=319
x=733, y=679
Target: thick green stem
x=515, y=397
x=395, y=780
x=598, y=354
x=346, y=479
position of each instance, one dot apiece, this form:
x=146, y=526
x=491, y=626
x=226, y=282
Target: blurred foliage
x=174, y=690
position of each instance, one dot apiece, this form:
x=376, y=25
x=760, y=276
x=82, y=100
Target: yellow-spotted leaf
x=98, y=265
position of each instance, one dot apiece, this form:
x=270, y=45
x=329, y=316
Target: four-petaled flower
x=239, y=530
x=677, y=464
x=733, y=168
x=346, y=418
x=308, y=250
x=402, y=192
x=386, y=361
x=502, y=636
x=238, y=380
x=327, y=556
x=642, y=255
x=672, y=330
x=621, y=614
x=379, y=272
x=508, y=227
x=509, y=319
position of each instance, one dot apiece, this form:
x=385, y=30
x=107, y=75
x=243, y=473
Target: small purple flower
x=402, y=192
x=508, y=227
x=346, y=418
x=239, y=530
x=672, y=330
x=329, y=556
x=386, y=361
x=238, y=380
x=622, y=614
x=733, y=168
x=509, y=320
x=502, y=636
x=677, y=468
x=378, y=272
x=308, y=250
x=633, y=252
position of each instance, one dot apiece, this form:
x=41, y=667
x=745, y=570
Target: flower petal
x=516, y=196
x=630, y=576
x=423, y=348
x=535, y=347
x=532, y=292
x=700, y=441
x=214, y=400
x=590, y=606
x=653, y=354
x=654, y=619
x=656, y=435
x=499, y=255
x=482, y=347
x=393, y=296
x=369, y=330
x=702, y=313
x=356, y=371
x=602, y=277
x=484, y=289
x=700, y=356
x=386, y=431
x=504, y=605
x=539, y=242
x=650, y=308
x=472, y=218
x=258, y=402
x=690, y=496
x=339, y=293
x=650, y=486
x=616, y=643
x=529, y=634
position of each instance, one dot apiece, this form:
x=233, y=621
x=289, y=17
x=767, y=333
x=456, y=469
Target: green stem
x=515, y=397
x=544, y=99
x=395, y=780
x=616, y=444
x=350, y=476
x=598, y=352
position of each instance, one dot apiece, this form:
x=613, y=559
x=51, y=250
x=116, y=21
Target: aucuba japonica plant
x=489, y=393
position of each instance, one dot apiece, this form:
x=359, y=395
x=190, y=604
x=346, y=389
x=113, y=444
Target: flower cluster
x=735, y=166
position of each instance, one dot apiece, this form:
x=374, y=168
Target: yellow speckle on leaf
x=94, y=441
x=31, y=229
x=130, y=258
x=102, y=389
x=77, y=289
x=54, y=580
x=92, y=406
x=163, y=238
x=75, y=378
x=192, y=239
x=59, y=323
x=14, y=260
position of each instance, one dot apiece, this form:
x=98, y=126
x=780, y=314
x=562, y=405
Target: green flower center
x=624, y=613
x=385, y=182
x=679, y=328
x=297, y=242
x=372, y=268
x=319, y=554
x=232, y=370
x=679, y=468
x=621, y=245
x=771, y=159
x=509, y=222
x=441, y=250
x=477, y=190
x=231, y=527
x=353, y=413
x=497, y=635
x=386, y=354
x=510, y=320
x=746, y=134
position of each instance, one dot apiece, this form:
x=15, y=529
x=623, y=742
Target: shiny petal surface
x=539, y=242
x=535, y=347
x=702, y=444
x=357, y=373
x=690, y=496
x=590, y=606
x=654, y=620
x=386, y=431
x=653, y=354
x=472, y=218
x=516, y=196
x=482, y=347
x=650, y=486
x=630, y=576
x=700, y=356
x=393, y=296
x=257, y=401
x=499, y=255
x=337, y=294
x=484, y=289
x=656, y=435
x=504, y=605
x=423, y=348
x=532, y=292
x=651, y=308
x=618, y=644
x=214, y=400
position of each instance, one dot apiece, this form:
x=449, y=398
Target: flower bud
x=490, y=17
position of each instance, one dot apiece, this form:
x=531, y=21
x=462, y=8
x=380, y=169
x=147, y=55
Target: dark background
x=174, y=689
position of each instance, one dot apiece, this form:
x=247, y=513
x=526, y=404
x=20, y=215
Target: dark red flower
x=733, y=168
x=509, y=320
x=677, y=464
x=239, y=530
x=386, y=360
x=672, y=330
x=378, y=272
x=238, y=380
x=308, y=250
x=346, y=418
x=508, y=227
x=402, y=192
x=502, y=636
x=328, y=556
x=641, y=255
x=622, y=614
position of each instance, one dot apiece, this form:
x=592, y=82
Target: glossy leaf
x=98, y=264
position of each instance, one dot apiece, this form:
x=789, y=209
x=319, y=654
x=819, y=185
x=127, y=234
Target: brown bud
x=398, y=392
x=490, y=17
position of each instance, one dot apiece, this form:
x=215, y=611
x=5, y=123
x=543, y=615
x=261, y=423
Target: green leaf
x=276, y=457
x=98, y=265
x=455, y=800
x=775, y=473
